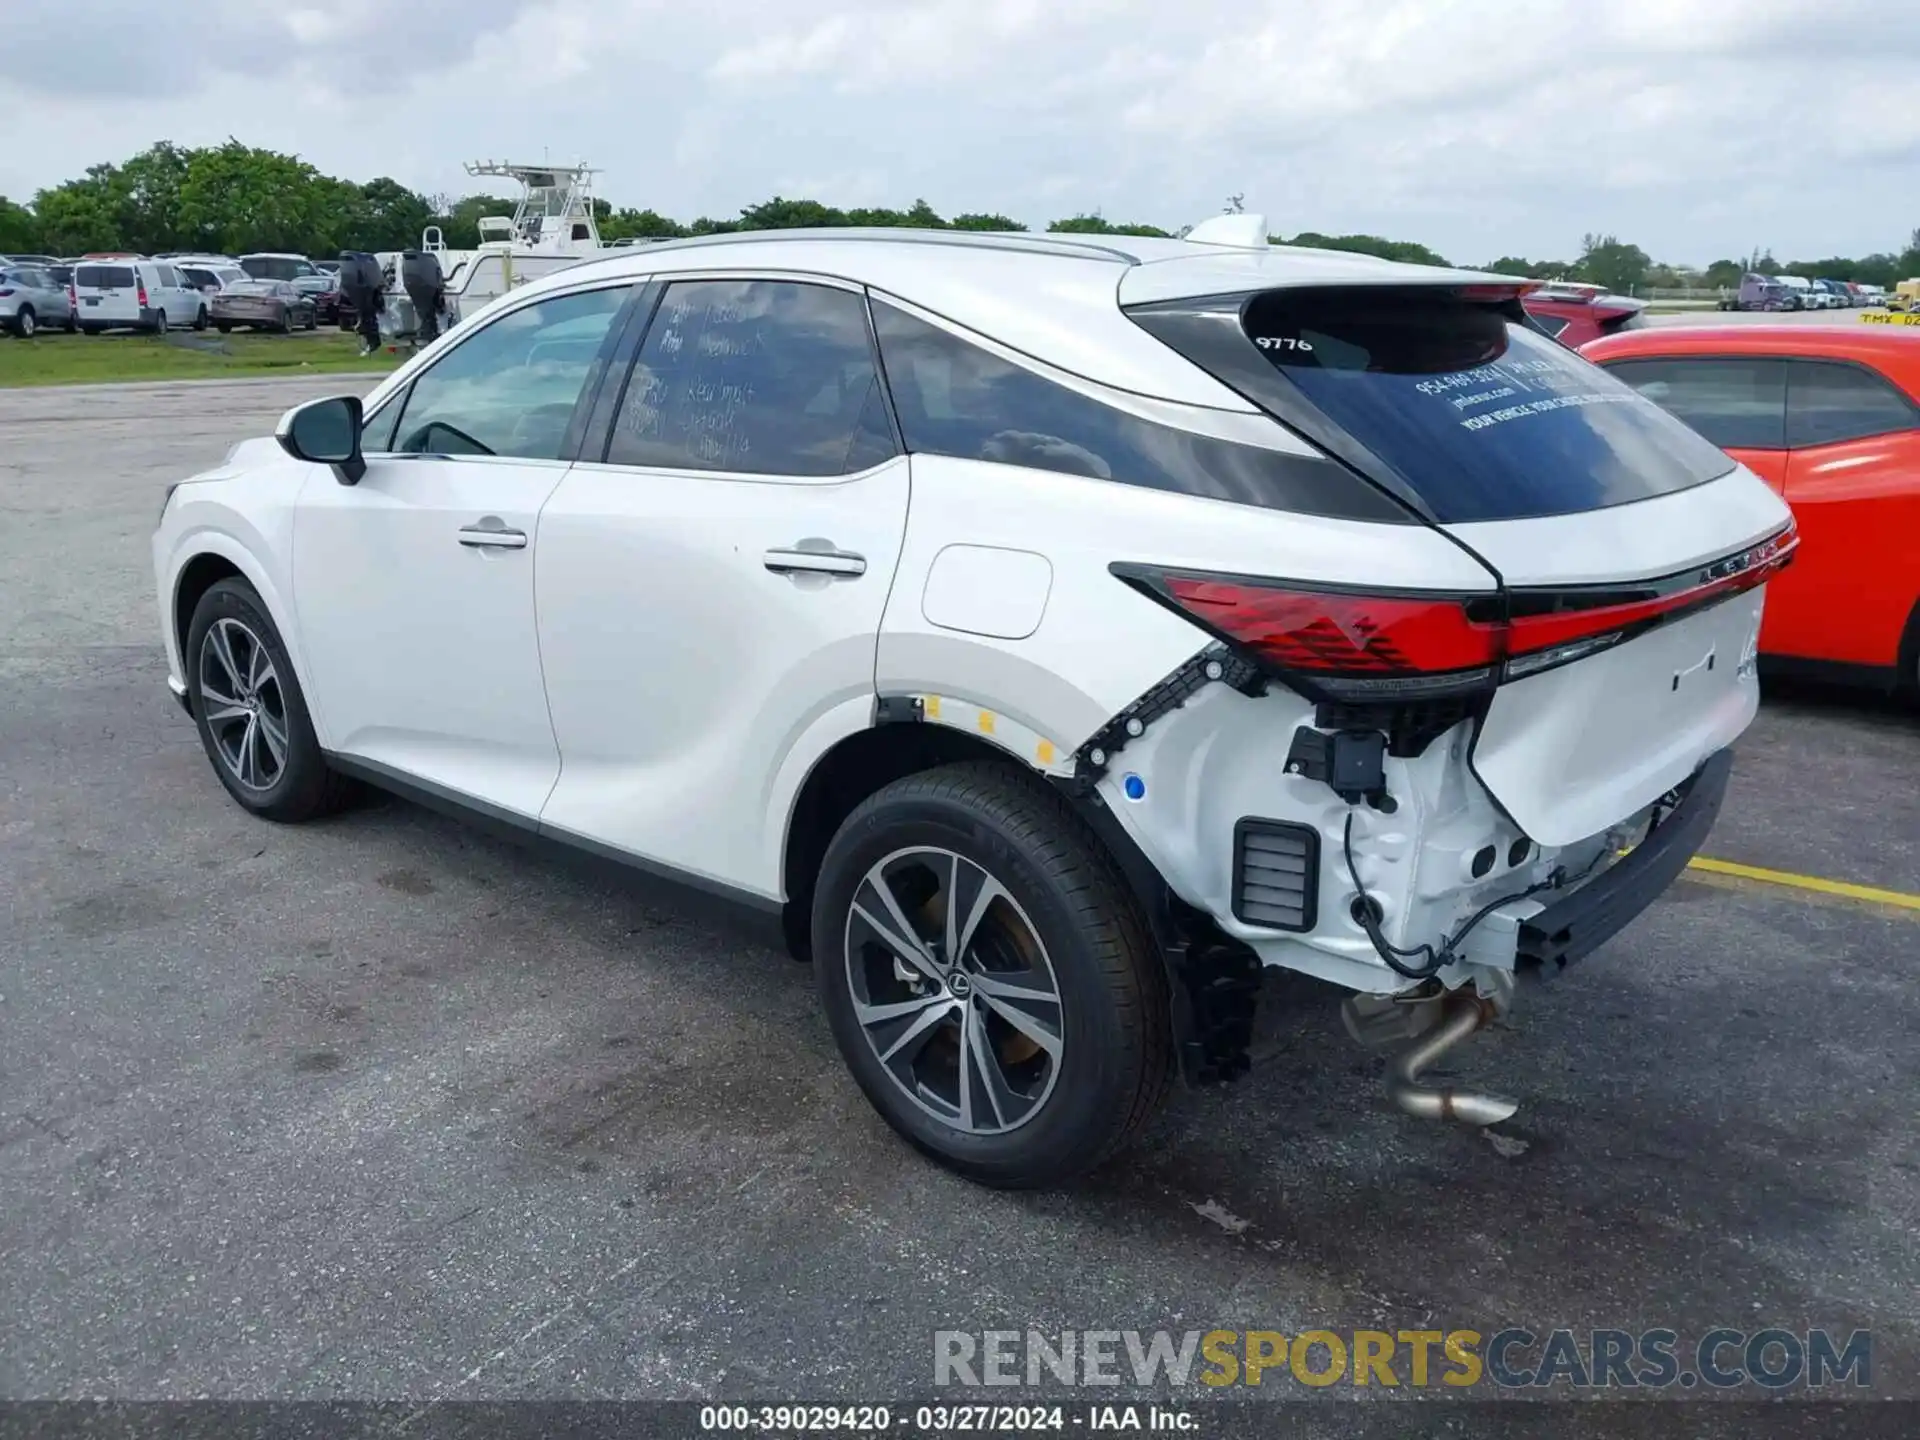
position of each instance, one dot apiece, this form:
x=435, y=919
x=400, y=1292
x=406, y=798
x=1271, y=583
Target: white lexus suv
x=1054, y=633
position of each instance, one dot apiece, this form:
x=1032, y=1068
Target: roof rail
x=1019, y=241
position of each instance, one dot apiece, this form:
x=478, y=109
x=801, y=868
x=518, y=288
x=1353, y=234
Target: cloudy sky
x=1695, y=128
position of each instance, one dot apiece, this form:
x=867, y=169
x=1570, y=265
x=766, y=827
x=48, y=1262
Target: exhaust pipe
x=1464, y=1013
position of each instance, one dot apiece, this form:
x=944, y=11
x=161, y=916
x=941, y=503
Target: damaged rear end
x=1418, y=792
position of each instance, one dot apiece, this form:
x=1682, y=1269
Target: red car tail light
x=1352, y=645
x=141, y=294
x=5, y=290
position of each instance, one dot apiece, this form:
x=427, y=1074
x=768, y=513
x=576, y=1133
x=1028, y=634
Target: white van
x=136, y=294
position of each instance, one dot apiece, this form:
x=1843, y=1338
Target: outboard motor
x=426, y=287
x=361, y=281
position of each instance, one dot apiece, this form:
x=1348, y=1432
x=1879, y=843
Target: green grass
x=56, y=359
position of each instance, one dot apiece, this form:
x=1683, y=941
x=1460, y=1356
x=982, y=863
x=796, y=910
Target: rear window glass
x=274, y=267
x=104, y=277
x=1482, y=417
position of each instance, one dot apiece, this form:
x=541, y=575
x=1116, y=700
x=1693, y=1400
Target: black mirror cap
x=327, y=432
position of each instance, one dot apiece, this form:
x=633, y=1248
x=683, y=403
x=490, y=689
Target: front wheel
x=200, y=318
x=24, y=324
x=989, y=978
x=250, y=711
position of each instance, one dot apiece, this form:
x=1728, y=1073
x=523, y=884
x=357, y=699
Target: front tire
x=200, y=318
x=989, y=978
x=24, y=324
x=250, y=711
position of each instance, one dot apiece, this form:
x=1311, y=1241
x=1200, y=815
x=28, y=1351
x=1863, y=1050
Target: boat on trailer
x=552, y=227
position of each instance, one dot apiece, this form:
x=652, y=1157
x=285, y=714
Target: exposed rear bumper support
x=1576, y=926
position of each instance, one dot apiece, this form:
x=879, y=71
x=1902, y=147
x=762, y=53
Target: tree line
x=232, y=199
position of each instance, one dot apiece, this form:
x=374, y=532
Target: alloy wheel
x=244, y=704
x=953, y=990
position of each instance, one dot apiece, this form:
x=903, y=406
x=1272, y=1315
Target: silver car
x=31, y=300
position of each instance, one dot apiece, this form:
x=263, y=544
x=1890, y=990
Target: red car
x=1829, y=415
x=1576, y=314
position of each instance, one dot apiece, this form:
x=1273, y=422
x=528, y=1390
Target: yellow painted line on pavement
x=1841, y=888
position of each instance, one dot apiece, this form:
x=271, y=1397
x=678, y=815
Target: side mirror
x=326, y=432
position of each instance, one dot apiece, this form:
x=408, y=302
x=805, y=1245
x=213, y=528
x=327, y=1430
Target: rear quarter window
x=1478, y=414
x=1830, y=402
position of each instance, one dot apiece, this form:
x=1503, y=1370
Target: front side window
x=756, y=377
x=510, y=389
x=1738, y=404
x=1830, y=403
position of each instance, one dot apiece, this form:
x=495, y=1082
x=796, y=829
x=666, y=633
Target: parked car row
x=99, y=292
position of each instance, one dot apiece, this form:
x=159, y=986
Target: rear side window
x=959, y=400
x=1737, y=404
x=1480, y=416
x=756, y=377
x=1831, y=403
x=104, y=277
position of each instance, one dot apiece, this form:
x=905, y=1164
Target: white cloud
x=1697, y=128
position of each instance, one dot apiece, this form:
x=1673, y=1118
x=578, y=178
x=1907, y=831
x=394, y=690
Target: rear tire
x=24, y=325
x=200, y=318
x=225, y=327
x=160, y=323
x=251, y=713
x=1078, y=1074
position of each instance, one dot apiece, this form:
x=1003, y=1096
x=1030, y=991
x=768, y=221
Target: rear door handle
x=815, y=562
x=483, y=538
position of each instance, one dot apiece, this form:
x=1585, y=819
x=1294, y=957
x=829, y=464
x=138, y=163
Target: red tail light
x=1353, y=646
x=73, y=297
x=6, y=290
x=142, y=294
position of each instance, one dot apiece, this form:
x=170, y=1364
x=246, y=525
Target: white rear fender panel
x=1004, y=597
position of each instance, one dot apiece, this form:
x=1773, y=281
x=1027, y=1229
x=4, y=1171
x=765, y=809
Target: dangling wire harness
x=1367, y=913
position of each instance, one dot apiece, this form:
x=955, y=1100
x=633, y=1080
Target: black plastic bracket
x=1351, y=763
x=898, y=709
x=1215, y=664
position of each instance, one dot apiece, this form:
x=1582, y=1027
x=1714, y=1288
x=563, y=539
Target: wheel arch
x=213, y=556
x=1909, y=653
x=854, y=767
